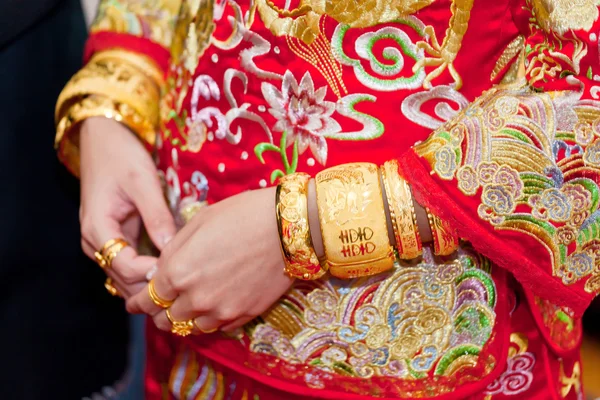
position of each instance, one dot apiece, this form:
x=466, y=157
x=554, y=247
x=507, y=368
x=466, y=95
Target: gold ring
x=108, y=284
x=180, y=328
x=205, y=331
x=156, y=299
x=108, y=252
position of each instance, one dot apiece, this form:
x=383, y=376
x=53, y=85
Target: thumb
x=155, y=213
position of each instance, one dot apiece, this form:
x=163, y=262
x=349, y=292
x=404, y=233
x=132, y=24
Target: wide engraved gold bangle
x=402, y=212
x=353, y=222
x=445, y=238
x=299, y=255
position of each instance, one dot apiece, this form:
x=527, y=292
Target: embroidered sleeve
x=517, y=171
x=142, y=26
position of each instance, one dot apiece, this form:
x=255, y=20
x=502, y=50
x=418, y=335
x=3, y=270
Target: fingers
x=132, y=268
x=202, y=325
x=127, y=268
x=142, y=303
x=158, y=220
x=238, y=323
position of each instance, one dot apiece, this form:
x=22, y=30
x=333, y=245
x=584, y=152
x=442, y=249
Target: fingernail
x=166, y=239
x=150, y=274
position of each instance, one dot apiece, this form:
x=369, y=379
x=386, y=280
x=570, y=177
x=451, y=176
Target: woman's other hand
x=224, y=268
x=120, y=189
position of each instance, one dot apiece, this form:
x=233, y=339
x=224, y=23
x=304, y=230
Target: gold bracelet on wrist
x=299, y=255
x=445, y=238
x=353, y=222
x=123, y=77
x=402, y=212
x=94, y=106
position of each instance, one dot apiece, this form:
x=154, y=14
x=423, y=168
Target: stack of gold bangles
x=114, y=84
x=353, y=222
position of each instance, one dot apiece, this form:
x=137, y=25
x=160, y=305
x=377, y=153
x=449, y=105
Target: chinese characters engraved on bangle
x=299, y=255
x=445, y=238
x=353, y=223
x=402, y=212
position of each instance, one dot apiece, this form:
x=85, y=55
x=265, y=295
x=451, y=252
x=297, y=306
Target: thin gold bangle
x=445, y=238
x=297, y=248
x=402, y=212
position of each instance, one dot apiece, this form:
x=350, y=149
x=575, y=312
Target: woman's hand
x=225, y=267
x=120, y=189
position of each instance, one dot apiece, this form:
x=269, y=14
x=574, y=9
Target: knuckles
x=201, y=303
x=228, y=313
x=161, y=322
x=128, y=275
x=87, y=227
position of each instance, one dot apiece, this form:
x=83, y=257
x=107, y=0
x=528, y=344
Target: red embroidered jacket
x=491, y=107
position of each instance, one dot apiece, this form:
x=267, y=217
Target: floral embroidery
x=508, y=148
x=518, y=375
x=288, y=167
x=305, y=119
x=419, y=321
x=303, y=113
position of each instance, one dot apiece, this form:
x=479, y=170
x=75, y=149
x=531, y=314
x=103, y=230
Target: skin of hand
x=120, y=190
x=223, y=268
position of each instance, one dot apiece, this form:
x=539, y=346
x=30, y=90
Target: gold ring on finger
x=156, y=299
x=205, y=331
x=108, y=252
x=180, y=328
x=108, y=284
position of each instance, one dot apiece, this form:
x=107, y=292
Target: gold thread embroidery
x=443, y=55
x=303, y=22
x=407, y=326
x=509, y=53
x=570, y=382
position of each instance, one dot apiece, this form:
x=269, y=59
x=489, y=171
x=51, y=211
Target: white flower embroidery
x=303, y=113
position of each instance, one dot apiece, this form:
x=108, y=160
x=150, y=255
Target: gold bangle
x=299, y=255
x=445, y=239
x=402, y=212
x=95, y=106
x=129, y=81
x=353, y=223
x=156, y=299
x=142, y=63
x=113, y=77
